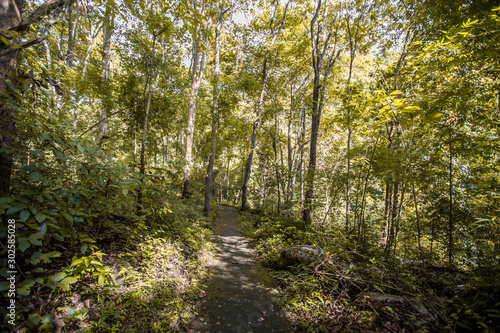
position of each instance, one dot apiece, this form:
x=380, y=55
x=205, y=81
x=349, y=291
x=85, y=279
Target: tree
x=199, y=54
x=215, y=109
x=324, y=26
x=274, y=31
x=107, y=32
x=11, y=24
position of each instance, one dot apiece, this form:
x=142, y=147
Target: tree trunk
x=107, y=31
x=195, y=87
x=276, y=167
x=362, y=223
x=316, y=117
x=228, y=183
x=215, y=111
x=248, y=165
x=325, y=64
x=151, y=77
x=72, y=27
x=450, y=193
x=10, y=16
x=348, y=180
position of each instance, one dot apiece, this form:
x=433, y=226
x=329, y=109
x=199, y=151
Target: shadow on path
x=238, y=297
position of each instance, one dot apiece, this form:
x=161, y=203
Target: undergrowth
x=91, y=256
x=355, y=287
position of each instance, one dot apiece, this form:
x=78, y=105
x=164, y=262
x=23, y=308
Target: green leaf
x=4, y=285
x=47, y=318
x=58, y=276
x=27, y=283
x=67, y=216
x=46, y=257
x=58, y=237
x=35, y=176
x=80, y=148
x=24, y=215
x=25, y=290
x=35, y=239
x=14, y=209
x=40, y=217
x=71, y=310
x=433, y=117
x=100, y=281
x=66, y=282
x=83, y=249
x=23, y=244
x=4, y=272
x=125, y=191
x=35, y=318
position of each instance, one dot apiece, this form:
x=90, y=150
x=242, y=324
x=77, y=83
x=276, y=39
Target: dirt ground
x=238, y=297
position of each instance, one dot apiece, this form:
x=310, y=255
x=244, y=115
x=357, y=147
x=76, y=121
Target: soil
x=238, y=297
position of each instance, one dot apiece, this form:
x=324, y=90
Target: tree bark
x=197, y=76
x=215, y=111
x=107, y=31
x=72, y=27
x=248, y=164
x=316, y=117
x=152, y=76
x=450, y=193
x=319, y=51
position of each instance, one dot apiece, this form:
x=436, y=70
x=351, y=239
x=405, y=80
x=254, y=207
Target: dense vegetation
x=368, y=129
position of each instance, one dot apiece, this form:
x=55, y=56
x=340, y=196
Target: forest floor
x=239, y=297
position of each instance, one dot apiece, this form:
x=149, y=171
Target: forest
x=357, y=140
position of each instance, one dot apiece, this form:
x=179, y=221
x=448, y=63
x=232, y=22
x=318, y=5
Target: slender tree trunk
x=302, y=163
x=10, y=16
x=106, y=64
x=387, y=209
x=363, y=200
x=450, y=193
x=152, y=81
x=302, y=172
x=195, y=86
x=348, y=180
x=142, y=168
x=89, y=49
x=316, y=117
x=276, y=167
x=72, y=27
x=228, y=183
x=392, y=218
x=248, y=164
x=322, y=62
x=215, y=111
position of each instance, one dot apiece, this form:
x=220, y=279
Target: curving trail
x=238, y=297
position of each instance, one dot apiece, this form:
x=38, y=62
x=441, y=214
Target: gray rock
x=301, y=254
x=186, y=251
x=394, y=300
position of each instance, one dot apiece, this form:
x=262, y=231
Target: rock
x=396, y=300
x=186, y=251
x=301, y=254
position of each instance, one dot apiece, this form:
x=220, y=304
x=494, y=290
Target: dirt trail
x=238, y=297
